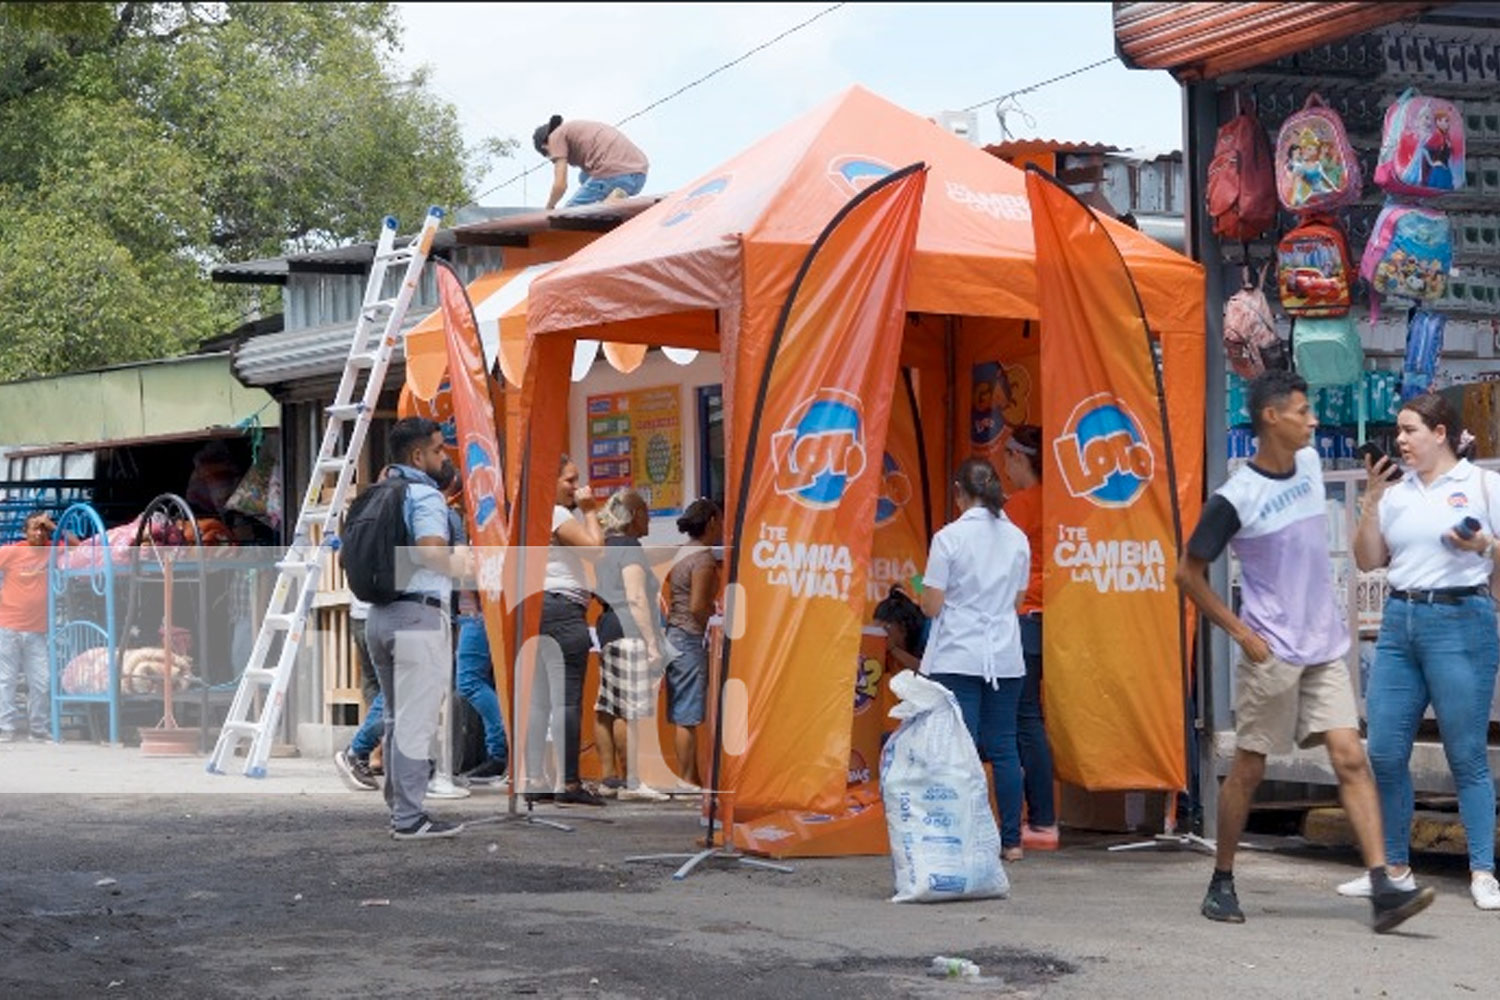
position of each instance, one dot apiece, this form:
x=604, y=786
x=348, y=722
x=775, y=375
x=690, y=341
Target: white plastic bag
x=944, y=842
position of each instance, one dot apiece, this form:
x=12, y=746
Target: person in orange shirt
x=1023, y=467
x=23, y=630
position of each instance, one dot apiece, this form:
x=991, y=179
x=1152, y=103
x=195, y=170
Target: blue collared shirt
x=426, y=517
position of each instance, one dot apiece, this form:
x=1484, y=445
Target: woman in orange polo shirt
x=1023, y=467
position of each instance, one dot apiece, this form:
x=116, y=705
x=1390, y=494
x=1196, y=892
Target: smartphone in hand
x=1374, y=453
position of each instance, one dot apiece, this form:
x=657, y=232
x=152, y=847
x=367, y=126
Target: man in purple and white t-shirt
x=1291, y=682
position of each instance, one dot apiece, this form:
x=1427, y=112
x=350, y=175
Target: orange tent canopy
x=974, y=256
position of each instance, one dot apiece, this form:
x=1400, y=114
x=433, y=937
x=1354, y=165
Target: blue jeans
x=367, y=738
x=990, y=715
x=592, y=190
x=1443, y=654
x=1036, y=752
x=476, y=682
x=24, y=654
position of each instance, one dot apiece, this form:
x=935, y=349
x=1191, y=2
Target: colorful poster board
x=635, y=442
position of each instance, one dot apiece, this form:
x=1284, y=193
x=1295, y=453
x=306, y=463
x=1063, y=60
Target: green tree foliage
x=142, y=143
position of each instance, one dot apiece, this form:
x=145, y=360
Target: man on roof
x=610, y=165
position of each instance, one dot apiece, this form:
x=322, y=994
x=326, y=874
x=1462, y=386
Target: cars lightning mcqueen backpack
x=1313, y=269
x=1316, y=168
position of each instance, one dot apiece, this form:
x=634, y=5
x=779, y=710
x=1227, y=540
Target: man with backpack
x=398, y=554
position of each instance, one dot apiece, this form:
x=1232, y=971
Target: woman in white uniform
x=1438, y=644
x=976, y=575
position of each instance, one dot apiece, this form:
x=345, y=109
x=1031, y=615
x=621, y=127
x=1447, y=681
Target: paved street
x=290, y=887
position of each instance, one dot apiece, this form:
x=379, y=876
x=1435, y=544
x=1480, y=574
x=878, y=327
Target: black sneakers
x=1393, y=907
x=355, y=771
x=427, y=828
x=579, y=796
x=1222, y=904
x=492, y=769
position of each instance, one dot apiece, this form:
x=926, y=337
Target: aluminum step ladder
x=263, y=683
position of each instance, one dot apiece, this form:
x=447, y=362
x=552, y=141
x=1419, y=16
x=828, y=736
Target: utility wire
x=1038, y=86
x=677, y=93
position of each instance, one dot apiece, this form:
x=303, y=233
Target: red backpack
x=1242, y=180
x=1313, y=270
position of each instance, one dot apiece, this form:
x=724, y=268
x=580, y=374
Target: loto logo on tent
x=481, y=481
x=851, y=174
x=820, y=449
x=696, y=200
x=1102, y=454
x=895, y=491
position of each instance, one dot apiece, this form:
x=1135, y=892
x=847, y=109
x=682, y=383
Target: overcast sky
x=507, y=67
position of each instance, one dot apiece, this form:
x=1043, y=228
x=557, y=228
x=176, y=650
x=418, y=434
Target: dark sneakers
x=1393, y=907
x=355, y=771
x=1222, y=904
x=579, y=796
x=427, y=828
x=493, y=769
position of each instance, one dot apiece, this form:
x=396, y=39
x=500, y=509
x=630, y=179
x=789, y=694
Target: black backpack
x=373, y=537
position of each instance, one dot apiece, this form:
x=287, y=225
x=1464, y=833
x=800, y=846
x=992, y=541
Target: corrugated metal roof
x=507, y=230
x=311, y=352
x=1022, y=147
x=1202, y=40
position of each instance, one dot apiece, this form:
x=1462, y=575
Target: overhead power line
x=679, y=91
x=1044, y=83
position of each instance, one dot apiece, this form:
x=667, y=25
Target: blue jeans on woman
x=476, y=682
x=1036, y=752
x=990, y=714
x=1445, y=655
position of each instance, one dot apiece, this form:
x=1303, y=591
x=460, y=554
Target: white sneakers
x=1483, y=887
x=1360, y=887
x=441, y=787
x=642, y=793
x=1485, y=890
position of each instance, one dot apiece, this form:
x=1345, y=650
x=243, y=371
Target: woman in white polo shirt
x=976, y=574
x=1438, y=643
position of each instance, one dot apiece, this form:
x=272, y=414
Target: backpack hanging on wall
x=1241, y=193
x=1327, y=350
x=1424, y=345
x=1422, y=147
x=1313, y=269
x=1250, y=341
x=1316, y=168
x=1409, y=255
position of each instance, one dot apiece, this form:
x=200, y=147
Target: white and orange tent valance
x=499, y=300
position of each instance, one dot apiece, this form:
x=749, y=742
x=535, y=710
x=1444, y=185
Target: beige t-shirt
x=597, y=149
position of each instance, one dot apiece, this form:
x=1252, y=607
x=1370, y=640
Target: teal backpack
x=1326, y=350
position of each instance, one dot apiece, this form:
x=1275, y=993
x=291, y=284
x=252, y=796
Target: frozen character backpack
x=1250, y=342
x=1316, y=168
x=1421, y=147
x=1241, y=192
x=1313, y=269
x=1409, y=255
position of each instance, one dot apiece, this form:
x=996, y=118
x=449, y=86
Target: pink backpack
x=1250, y=341
x=1409, y=255
x=1316, y=168
x=1422, y=147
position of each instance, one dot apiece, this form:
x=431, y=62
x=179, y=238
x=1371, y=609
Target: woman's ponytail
x=978, y=479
